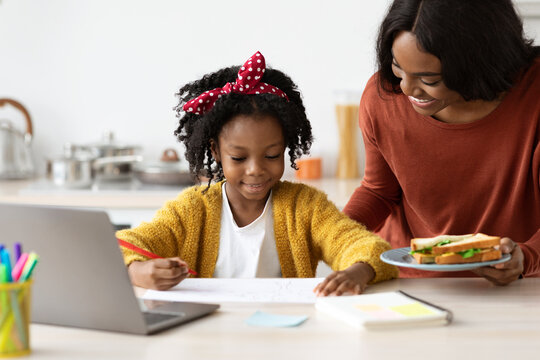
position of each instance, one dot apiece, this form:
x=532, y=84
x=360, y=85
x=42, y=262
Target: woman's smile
x=422, y=103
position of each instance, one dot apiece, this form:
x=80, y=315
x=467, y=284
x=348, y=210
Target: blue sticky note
x=260, y=318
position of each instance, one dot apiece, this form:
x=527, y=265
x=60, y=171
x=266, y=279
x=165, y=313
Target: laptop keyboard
x=154, y=318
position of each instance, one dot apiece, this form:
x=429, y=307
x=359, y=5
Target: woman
x=451, y=126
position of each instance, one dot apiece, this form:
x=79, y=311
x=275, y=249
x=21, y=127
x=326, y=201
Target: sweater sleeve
x=343, y=242
x=163, y=235
x=372, y=202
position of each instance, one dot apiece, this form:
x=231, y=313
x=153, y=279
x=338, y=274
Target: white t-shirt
x=249, y=251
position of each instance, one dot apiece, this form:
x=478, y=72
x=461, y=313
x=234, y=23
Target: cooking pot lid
x=74, y=158
x=75, y=153
x=169, y=164
x=113, y=146
x=108, y=142
x=161, y=167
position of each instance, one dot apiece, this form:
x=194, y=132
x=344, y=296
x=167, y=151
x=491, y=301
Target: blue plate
x=401, y=257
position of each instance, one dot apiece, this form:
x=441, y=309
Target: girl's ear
x=214, y=148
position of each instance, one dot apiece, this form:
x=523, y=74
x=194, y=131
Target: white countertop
x=42, y=192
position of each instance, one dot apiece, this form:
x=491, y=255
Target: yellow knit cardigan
x=307, y=226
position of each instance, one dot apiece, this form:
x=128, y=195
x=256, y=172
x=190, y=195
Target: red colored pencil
x=146, y=252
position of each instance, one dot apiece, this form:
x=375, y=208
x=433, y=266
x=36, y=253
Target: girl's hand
x=506, y=272
x=158, y=274
x=354, y=280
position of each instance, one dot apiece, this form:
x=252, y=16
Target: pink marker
x=19, y=266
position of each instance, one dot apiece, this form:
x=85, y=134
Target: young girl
x=236, y=124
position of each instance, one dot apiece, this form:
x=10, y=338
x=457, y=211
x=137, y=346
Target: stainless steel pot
x=16, y=160
x=73, y=170
x=79, y=167
x=114, y=161
x=115, y=168
x=165, y=172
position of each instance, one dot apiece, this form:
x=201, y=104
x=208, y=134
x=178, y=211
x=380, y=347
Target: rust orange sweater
x=426, y=177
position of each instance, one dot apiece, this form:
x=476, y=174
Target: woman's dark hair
x=196, y=131
x=480, y=43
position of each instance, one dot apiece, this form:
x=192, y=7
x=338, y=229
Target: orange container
x=309, y=168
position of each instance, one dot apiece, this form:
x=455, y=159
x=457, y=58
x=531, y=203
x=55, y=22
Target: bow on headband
x=248, y=81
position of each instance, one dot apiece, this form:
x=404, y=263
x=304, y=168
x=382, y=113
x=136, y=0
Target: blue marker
x=4, y=255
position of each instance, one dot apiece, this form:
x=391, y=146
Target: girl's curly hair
x=196, y=131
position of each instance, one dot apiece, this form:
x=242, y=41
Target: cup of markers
x=15, y=296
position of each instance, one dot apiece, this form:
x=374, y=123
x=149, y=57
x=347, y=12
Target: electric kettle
x=16, y=160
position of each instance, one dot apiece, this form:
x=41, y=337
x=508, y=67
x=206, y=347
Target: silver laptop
x=81, y=279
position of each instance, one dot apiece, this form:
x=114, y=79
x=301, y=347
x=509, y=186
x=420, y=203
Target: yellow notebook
x=383, y=310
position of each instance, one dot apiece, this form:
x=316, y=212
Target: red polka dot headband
x=248, y=81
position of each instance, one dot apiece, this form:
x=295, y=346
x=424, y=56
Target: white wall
x=82, y=67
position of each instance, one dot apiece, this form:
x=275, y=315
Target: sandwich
x=456, y=249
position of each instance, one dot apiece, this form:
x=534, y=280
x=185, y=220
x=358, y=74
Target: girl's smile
x=256, y=188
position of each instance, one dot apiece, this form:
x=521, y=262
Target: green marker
x=3, y=295
x=29, y=267
x=3, y=273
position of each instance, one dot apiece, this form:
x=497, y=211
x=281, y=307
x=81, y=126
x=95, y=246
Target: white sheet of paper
x=274, y=290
